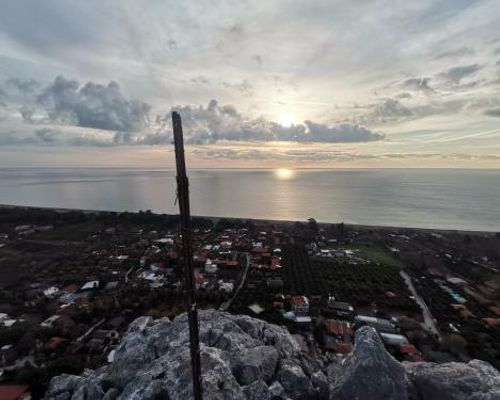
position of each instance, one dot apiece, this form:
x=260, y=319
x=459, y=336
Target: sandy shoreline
x=259, y=221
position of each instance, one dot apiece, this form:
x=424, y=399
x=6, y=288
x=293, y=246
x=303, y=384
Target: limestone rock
x=243, y=358
x=369, y=372
x=475, y=380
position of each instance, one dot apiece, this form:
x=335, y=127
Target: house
x=381, y=325
x=393, y=339
x=463, y=311
x=111, y=285
x=303, y=321
x=51, y=291
x=90, y=285
x=336, y=334
x=14, y=392
x=410, y=352
x=72, y=288
x=300, y=305
x=49, y=322
x=54, y=343
x=7, y=354
x=256, y=308
x=341, y=330
x=210, y=267
x=226, y=286
x=340, y=309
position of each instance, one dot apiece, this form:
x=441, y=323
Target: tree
x=454, y=343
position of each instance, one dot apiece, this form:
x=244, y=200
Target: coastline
x=260, y=221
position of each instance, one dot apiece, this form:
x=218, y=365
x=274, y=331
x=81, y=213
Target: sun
x=284, y=174
x=286, y=120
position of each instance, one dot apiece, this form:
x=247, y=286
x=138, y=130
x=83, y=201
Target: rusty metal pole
x=189, y=283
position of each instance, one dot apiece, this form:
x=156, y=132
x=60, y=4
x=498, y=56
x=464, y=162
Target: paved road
x=428, y=318
x=224, y=306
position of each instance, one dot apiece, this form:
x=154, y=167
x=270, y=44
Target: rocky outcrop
x=475, y=380
x=241, y=357
x=245, y=358
x=369, y=372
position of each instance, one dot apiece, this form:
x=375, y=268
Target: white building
x=51, y=291
x=50, y=321
x=90, y=285
x=210, y=267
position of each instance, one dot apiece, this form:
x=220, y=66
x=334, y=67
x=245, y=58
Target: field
x=360, y=284
x=376, y=254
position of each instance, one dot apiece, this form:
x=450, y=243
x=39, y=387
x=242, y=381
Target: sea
x=419, y=198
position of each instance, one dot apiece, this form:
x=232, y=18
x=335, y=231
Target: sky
x=261, y=83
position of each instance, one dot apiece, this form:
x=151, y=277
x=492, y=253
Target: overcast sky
x=365, y=83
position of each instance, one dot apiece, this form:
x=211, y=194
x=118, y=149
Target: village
x=72, y=282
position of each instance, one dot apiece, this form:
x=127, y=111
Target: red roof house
x=14, y=392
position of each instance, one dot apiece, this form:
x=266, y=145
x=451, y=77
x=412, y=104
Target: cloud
x=418, y=84
x=388, y=110
x=456, y=74
x=200, y=80
x=342, y=133
x=244, y=87
x=495, y=112
x=258, y=59
x=404, y=95
x=460, y=52
x=205, y=125
x=24, y=85
x=93, y=106
x=319, y=155
x=27, y=113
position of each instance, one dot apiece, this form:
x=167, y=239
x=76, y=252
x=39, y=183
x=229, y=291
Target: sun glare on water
x=284, y=173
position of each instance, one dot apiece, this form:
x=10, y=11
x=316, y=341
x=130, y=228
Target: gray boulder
x=294, y=380
x=256, y=363
x=243, y=358
x=475, y=380
x=369, y=372
x=240, y=355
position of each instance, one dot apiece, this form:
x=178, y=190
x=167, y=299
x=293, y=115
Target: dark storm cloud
x=93, y=106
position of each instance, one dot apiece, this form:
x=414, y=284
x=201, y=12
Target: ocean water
x=423, y=198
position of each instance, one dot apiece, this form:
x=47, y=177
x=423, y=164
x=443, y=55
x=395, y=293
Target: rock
x=63, y=384
x=111, y=394
x=293, y=379
x=277, y=390
x=257, y=390
x=239, y=354
x=369, y=372
x=475, y=380
x=244, y=358
x=257, y=363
